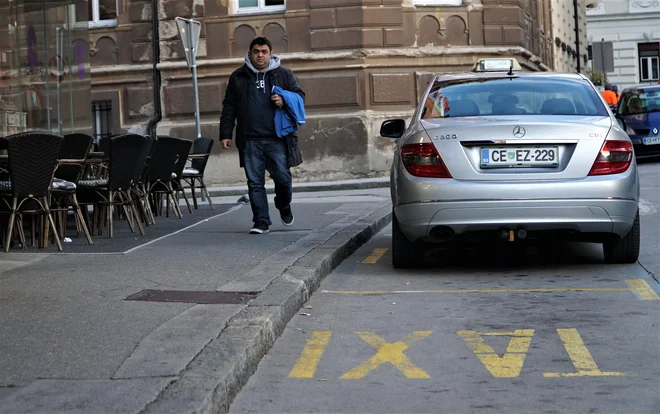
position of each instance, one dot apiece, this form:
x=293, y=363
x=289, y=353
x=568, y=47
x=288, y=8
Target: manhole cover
x=187, y=296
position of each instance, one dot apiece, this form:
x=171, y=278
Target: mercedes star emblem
x=518, y=132
x=655, y=131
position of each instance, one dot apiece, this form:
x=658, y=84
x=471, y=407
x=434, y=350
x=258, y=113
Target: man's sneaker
x=259, y=228
x=287, y=216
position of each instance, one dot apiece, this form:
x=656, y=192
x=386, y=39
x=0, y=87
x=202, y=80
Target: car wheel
x=626, y=249
x=405, y=254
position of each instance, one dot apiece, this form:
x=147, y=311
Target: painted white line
x=231, y=210
x=646, y=208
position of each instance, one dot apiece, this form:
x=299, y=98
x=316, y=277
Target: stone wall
x=359, y=61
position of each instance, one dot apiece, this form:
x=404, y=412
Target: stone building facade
x=571, y=51
x=359, y=61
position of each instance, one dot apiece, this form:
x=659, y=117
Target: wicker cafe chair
x=124, y=151
x=32, y=161
x=159, y=176
x=195, y=173
x=73, y=154
x=139, y=188
x=177, y=173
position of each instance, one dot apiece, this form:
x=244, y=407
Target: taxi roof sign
x=496, y=65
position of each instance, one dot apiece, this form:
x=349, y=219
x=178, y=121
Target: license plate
x=512, y=157
x=651, y=140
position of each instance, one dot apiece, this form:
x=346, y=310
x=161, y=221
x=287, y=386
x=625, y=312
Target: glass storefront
x=44, y=67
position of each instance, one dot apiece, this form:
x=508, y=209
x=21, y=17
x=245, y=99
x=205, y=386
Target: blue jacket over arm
x=291, y=115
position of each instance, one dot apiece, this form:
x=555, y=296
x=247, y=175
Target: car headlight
x=630, y=131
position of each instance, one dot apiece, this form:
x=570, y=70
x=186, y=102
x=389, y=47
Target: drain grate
x=197, y=297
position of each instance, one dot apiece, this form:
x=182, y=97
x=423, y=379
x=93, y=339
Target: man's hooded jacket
x=235, y=106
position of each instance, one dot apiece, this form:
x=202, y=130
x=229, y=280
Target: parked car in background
x=639, y=109
x=503, y=154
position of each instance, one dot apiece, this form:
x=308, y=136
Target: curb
x=216, y=375
x=307, y=187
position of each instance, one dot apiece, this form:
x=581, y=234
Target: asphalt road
x=486, y=331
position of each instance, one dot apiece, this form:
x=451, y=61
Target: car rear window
x=639, y=102
x=512, y=96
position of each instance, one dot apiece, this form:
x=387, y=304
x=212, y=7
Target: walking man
x=252, y=107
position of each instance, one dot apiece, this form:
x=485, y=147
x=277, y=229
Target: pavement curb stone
x=358, y=184
x=215, y=376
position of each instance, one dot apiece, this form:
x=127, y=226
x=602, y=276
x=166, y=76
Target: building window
x=259, y=6
x=98, y=13
x=649, y=61
x=102, y=119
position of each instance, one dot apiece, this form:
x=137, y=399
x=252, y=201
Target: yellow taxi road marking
x=389, y=352
x=527, y=290
x=643, y=289
x=508, y=365
x=375, y=256
x=311, y=355
x=518, y=332
x=580, y=357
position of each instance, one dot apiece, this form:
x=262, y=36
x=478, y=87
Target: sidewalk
x=79, y=334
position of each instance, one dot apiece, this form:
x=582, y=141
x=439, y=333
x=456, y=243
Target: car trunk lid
x=541, y=147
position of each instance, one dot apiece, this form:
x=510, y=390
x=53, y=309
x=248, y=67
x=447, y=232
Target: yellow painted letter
x=510, y=364
x=580, y=357
x=392, y=353
x=309, y=359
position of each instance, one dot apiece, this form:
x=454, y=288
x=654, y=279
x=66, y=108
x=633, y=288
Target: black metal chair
x=73, y=154
x=159, y=176
x=177, y=173
x=139, y=188
x=124, y=152
x=199, y=158
x=32, y=161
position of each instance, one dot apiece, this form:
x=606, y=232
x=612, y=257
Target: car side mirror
x=621, y=122
x=393, y=128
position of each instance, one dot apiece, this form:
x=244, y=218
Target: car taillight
x=615, y=157
x=423, y=160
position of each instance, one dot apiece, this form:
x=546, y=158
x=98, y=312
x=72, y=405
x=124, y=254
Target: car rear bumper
x=417, y=221
x=600, y=205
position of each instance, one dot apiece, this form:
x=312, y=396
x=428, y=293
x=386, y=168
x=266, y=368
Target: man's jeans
x=259, y=156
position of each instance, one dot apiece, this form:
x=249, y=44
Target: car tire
x=405, y=254
x=626, y=249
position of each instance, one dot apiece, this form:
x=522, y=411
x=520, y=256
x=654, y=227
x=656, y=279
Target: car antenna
x=510, y=70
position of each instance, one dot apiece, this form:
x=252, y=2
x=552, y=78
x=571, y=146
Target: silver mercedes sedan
x=512, y=156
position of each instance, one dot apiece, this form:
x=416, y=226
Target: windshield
x=512, y=96
x=640, y=101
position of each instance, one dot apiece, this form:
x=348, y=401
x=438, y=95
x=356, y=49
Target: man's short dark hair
x=261, y=41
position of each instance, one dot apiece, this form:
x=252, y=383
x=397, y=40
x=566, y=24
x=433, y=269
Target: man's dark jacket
x=235, y=108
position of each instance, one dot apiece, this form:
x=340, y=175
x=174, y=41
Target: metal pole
x=58, y=53
x=70, y=53
x=48, y=108
x=602, y=57
x=577, y=35
x=193, y=67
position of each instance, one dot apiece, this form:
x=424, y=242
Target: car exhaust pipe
x=442, y=233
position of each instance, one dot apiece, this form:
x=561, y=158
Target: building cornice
x=360, y=54
x=624, y=16
x=359, y=57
